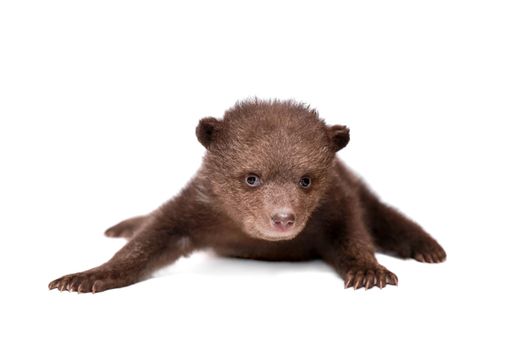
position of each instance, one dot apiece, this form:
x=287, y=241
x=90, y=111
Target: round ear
x=207, y=130
x=339, y=135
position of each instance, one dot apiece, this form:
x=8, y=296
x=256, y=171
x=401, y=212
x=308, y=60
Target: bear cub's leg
x=395, y=233
x=359, y=268
x=147, y=250
x=352, y=253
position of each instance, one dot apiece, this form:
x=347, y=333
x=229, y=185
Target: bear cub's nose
x=283, y=221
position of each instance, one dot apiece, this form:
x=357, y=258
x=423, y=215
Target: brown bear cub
x=270, y=188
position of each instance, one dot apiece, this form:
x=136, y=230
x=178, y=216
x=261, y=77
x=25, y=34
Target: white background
x=98, y=105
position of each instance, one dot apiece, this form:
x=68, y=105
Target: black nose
x=283, y=220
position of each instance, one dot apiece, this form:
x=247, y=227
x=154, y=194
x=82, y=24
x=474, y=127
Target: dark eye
x=305, y=182
x=252, y=180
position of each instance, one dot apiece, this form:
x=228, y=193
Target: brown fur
x=337, y=218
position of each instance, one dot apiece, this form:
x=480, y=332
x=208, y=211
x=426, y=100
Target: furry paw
x=126, y=228
x=119, y=232
x=429, y=252
x=368, y=277
x=93, y=281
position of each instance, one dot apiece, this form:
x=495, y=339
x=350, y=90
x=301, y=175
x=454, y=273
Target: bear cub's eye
x=305, y=182
x=252, y=180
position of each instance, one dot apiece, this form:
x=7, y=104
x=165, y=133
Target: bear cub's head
x=268, y=163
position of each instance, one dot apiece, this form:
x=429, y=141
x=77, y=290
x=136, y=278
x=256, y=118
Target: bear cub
x=272, y=188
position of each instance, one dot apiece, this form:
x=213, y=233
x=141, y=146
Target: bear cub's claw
x=369, y=277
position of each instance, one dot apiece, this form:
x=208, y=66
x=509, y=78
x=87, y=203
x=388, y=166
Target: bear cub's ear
x=339, y=135
x=207, y=130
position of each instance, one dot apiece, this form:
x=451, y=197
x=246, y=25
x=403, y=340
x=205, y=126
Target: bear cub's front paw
x=369, y=276
x=429, y=251
x=93, y=281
